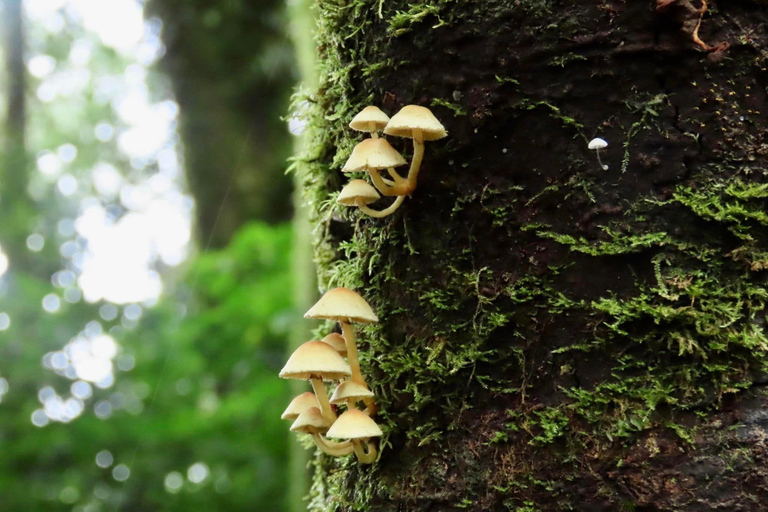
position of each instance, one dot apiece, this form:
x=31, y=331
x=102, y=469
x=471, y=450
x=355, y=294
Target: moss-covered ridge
x=550, y=330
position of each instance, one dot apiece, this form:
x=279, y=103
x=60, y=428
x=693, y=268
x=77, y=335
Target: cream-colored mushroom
x=349, y=392
x=345, y=306
x=357, y=427
x=312, y=422
x=417, y=123
x=336, y=340
x=299, y=404
x=372, y=155
x=370, y=120
x=317, y=361
x=359, y=193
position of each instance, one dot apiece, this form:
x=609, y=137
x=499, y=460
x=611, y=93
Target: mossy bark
x=555, y=336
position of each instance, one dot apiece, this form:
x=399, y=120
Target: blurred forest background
x=146, y=290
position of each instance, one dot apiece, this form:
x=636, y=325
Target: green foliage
x=204, y=389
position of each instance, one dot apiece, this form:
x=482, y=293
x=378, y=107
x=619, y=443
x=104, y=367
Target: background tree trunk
x=231, y=67
x=555, y=336
x=15, y=205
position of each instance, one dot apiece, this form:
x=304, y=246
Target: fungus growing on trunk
x=357, y=427
x=336, y=340
x=417, y=123
x=300, y=404
x=349, y=392
x=359, y=193
x=345, y=306
x=370, y=120
x=312, y=422
x=317, y=361
x=372, y=155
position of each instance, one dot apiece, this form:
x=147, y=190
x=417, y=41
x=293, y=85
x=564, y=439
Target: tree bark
x=555, y=336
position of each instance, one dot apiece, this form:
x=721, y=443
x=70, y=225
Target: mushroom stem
x=333, y=448
x=374, y=132
x=385, y=188
x=322, y=399
x=389, y=183
x=362, y=456
x=605, y=167
x=349, y=337
x=404, y=189
x=379, y=213
x=398, y=179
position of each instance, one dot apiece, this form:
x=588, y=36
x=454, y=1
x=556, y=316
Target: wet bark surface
x=555, y=336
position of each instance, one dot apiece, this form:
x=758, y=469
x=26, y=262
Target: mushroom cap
x=597, y=143
x=310, y=421
x=298, y=405
x=362, y=121
x=373, y=154
x=338, y=342
x=315, y=359
x=354, y=424
x=357, y=189
x=350, y=389
x=342, y=305
x=414, y=117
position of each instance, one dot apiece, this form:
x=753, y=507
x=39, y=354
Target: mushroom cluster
x=375, y=154
x=321, y=361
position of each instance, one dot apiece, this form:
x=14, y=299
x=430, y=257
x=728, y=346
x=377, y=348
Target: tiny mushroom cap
x=354, y=424
x=298, y=405
x=414, y=117
x=369, y=116
x=373, y=154
x=342, y=305
x=357, y=189
x=315, y=360
x=597, y=143
x=337, y=341
x=310, y=421
x=350, y=390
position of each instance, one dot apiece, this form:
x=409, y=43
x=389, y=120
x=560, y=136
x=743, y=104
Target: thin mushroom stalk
x=350, y=339
x=387, y=187
x=333, y=448
x=322, y=399
x=354, y=364
x=379, y=213
x=409, y=185
x=395, y=176
x=602, y=165
x=364, y=457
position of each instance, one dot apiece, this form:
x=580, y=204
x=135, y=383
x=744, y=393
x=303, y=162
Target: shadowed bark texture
x=555, y=336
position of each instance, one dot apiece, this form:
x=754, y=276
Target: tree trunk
x=15, y=205
x=231, y=67
x=555, y=336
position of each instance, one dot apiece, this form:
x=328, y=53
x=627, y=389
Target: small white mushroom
x=597, y=144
